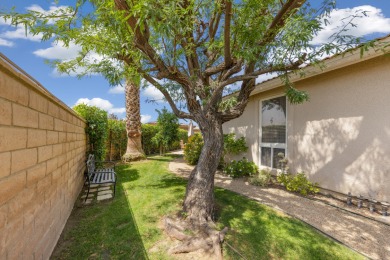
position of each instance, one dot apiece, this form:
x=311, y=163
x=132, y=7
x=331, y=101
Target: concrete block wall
x=42, y=160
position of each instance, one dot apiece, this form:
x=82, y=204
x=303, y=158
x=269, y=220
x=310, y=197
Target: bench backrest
x=91, y=164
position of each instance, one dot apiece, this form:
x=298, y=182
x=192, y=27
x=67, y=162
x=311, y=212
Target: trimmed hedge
x=96, y=130
x=117, y=139
x=148, y=132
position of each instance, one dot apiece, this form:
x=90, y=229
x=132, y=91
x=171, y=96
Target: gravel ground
x=366, y=236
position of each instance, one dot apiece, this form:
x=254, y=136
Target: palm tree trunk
x=134, y=149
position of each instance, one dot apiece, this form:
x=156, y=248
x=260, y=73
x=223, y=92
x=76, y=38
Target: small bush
x=298, y=183
x=231, y=146
x=263, y=178
x=241, y=168
x=193, y=148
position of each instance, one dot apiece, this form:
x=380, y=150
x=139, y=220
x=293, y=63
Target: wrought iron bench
x=99, y=176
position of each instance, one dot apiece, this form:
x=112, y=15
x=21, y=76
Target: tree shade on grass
x=129, y=227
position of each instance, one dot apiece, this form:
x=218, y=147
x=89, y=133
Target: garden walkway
x=366, y=236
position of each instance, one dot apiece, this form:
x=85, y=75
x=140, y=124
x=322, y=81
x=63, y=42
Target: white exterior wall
x=341, y=137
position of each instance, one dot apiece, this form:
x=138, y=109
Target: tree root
x=204, y=237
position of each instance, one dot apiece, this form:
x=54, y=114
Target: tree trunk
x=134, y=149
x=199, y=199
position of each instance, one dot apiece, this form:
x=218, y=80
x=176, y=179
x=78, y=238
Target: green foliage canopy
x=196, y=50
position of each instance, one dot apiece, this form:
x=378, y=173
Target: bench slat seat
x=99, y=176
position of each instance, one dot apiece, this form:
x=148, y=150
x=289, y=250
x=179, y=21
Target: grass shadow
x=129, y=226
x=104, y=230
x=271, y=235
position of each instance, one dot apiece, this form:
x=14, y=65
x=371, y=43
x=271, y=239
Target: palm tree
x=134, y=149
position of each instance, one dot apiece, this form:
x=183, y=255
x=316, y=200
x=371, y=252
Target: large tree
x=195, y=50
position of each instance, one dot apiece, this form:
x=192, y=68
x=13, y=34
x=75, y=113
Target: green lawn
x=129, y=226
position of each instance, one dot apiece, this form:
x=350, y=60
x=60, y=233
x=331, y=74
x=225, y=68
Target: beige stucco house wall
x=42, y=161
x=341, y=137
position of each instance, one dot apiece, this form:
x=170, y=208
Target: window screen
x=273, y=121
x=266, y=156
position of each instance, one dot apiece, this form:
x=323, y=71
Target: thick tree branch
x=226, y=33
x=255, y=74
x=141, y=42
x=214, y=23
x=218, y=90
x=237, y=66
x=247, y=87
x=151, y=80
x=214, y=70
x=170, y=101
x=288, y=8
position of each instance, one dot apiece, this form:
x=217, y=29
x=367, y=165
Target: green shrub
x=263, y=178
x=148, y=132
x=234, y=146
x=241, y=168
x=298, y=183
x=231, y=146
x=96, y=130
x=193, y=148
x=117, y=139
x=182, y=135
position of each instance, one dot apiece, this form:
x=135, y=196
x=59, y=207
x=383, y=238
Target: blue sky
x=30, y=53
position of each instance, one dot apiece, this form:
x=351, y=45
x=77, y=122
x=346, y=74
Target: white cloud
x=59, y=52
x=4, y=22
x=120, y=110
x=374, y=22
x=53, y=10
x=117, y=90
x=78, y=71
x=145, y=118
x=6, y=43
x=21, y=33
x=103, y=104
x=154, y=94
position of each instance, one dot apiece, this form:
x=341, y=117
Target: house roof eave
x=335, y=62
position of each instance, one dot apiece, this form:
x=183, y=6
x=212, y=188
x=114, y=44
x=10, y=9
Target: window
x=273, y=131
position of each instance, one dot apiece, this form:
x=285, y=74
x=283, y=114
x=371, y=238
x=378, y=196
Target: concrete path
x=366, y=236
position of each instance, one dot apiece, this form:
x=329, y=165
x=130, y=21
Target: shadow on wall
x=347, y=154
